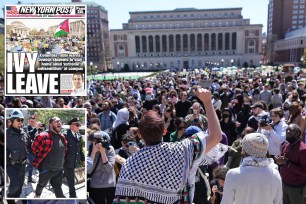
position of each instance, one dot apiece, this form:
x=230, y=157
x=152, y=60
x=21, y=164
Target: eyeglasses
x=57, y=121
x=104, y=105
x=77, y=124
x=19, y=120
x=181, y=128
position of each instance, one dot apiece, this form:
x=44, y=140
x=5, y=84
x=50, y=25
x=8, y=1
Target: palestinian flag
x=63, y=29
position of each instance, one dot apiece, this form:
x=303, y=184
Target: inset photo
x=45, y=153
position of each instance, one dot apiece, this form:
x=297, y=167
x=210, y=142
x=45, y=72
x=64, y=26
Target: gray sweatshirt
x=104, y=175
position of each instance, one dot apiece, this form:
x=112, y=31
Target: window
x=294, y=27
x=296, y=1
x=294, y=17
x=301, y=16
x=295, y=11
x=301, y=21
x=302, y=6
x=302, y=1
x=164, y=16
x=295, y=7
x=301, y=11
x=294, y=22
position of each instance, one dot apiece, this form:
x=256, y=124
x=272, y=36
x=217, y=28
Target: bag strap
x=96, y=165
x=206, y=182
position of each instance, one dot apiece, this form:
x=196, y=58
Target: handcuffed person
x=49, y=149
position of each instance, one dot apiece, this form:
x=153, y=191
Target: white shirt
x=78, y=92
x=217, y=103
x=275, y=136
x=259, y=183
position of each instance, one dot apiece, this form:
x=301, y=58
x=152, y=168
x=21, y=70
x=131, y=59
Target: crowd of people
x=147, y=138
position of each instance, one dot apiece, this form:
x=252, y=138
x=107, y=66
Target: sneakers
x=31, y=180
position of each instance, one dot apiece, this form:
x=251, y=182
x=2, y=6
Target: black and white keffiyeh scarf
x=158, y=173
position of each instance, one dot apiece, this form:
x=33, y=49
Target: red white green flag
x=63, y=29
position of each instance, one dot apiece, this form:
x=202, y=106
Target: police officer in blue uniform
x=17, y=142
x=74, y=154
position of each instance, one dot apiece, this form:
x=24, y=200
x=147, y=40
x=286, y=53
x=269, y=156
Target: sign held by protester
x=45, y=49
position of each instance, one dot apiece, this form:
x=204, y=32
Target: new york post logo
x=11, y=10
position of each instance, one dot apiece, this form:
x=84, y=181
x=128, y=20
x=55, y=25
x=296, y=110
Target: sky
x=118, y=10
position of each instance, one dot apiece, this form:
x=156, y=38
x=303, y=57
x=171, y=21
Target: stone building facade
x=186, y=38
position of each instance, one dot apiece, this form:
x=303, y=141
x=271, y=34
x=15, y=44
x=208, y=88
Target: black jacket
x=17, y=144
x=74, y=154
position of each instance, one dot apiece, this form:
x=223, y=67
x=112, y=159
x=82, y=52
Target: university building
x=186, y=38
x=286, y=38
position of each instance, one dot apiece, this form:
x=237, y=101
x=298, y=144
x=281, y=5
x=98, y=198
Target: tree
x=64, y=115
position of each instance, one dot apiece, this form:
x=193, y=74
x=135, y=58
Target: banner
x=45, y=50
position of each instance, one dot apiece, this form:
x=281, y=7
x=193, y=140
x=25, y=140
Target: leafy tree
x=64, y=115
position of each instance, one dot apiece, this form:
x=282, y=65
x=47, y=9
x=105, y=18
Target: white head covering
x=122, y=117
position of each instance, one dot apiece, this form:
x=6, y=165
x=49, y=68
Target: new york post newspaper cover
x=45, y=50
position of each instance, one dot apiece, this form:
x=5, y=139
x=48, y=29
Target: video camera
x=264, y=120
x=103, y=138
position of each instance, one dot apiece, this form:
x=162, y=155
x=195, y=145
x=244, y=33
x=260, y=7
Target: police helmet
x=15, y=113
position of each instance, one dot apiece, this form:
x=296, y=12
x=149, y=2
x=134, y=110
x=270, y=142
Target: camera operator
x=257, y=109
x=196, y=117
x=274, y=128
x=103, y=179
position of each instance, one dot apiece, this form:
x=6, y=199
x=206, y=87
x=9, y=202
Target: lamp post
x=302, y=62
x=222, y=61
x=91, y=69
x=96, y=68
x=232, y=61
x=142, y=67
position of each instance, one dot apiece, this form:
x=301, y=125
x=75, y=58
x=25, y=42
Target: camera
x=264, y=120
x=103, y=138
x=195, y=112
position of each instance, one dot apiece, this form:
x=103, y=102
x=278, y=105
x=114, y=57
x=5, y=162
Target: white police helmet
x=15, y=113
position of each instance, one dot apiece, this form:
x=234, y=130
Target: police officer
x=17, y=152
x=74, y=154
